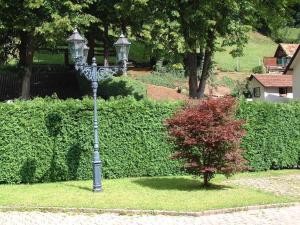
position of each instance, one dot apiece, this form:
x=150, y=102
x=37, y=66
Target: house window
x=279, y=61
x=283, y=91
x=256, y=92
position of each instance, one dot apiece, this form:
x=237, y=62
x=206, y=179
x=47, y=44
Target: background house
x=277, y=88
x=281, y=59
x=293, y=69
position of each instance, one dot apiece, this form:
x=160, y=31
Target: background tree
x=107, y=18
x=195, y=30
x=208, y=138
x=37, y=22
x=115, y=16
x=8, y=45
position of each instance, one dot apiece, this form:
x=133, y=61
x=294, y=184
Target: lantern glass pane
x=76, y=48
x=122, y=52
x=79, y=45
x=72, y=49
x=85, y=54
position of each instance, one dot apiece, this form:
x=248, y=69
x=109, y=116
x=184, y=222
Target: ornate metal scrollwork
x=106, y=72
x=102, y=72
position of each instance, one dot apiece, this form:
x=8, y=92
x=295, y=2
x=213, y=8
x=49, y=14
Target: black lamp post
x=79, y=51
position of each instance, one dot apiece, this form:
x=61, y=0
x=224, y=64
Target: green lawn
x=138, y=53
x=257, y=47
x=165, y=80
x=160, y=193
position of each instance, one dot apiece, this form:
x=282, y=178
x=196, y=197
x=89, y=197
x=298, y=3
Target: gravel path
x=277, y=216
x=280, y=185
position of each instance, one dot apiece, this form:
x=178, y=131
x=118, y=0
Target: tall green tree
x=38, y=22
x=107, y=18
x=117, y=16
x=196, y=29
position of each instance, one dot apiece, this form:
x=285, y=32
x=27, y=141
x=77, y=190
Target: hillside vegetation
x=258, y=46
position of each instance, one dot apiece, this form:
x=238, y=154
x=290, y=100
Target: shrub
x=273, y=134
x=286, y=35
x=115, y=87
x=122, y=86
x=165, y=80
x=169, y=69
x=208, y=137
x=259, y=70
x=241, y=89
x=51, y=140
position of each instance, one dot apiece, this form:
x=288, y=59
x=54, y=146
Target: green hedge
x=122, y=86
x=51, y=140
x=116, y=87
x=273, y=134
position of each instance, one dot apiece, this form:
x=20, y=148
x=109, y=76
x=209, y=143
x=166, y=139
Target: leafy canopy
x=44, y=19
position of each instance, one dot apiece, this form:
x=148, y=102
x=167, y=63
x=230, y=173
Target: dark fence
x=46, y=80
x=10, y=86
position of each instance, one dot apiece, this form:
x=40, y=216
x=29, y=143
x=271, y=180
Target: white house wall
x=269, y=93
x=296, y=77
x=272, y=94
x=253, y=84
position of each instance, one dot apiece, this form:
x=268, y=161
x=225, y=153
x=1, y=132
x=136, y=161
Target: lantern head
x=122, y=46
x=76, y=44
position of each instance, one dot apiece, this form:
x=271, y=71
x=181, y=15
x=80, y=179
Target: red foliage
x=208, y=137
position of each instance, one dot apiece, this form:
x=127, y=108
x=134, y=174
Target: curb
x=130, y=212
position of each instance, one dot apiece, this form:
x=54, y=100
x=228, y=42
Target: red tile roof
x=289, y=49
x=277, y=80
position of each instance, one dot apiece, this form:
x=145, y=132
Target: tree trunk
x=205, y=179
x=26, y=60
x=153, y=61
x=205, y=72
x=124, y=27
x=190, y=63
x=207, y=64
x=200, y=61
x=66, y=57
x=105, y=45
x=92, y=44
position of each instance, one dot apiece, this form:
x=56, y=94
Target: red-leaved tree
x=208, y=138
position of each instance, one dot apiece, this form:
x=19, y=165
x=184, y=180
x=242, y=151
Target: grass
x=160, y=193
x=139, y=53
x=165, y=80
x=257, y=47
x=48, y=58
x=225, y=81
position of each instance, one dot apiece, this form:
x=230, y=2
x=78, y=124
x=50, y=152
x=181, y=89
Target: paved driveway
x=278, y=216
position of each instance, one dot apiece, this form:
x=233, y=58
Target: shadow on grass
x=90, y=189
x=175, y=183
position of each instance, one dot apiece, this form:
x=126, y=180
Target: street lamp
x=122, y=46
x=79, y=51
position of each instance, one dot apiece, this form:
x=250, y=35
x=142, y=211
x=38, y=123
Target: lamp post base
x=97, y=189
x=97, y=175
